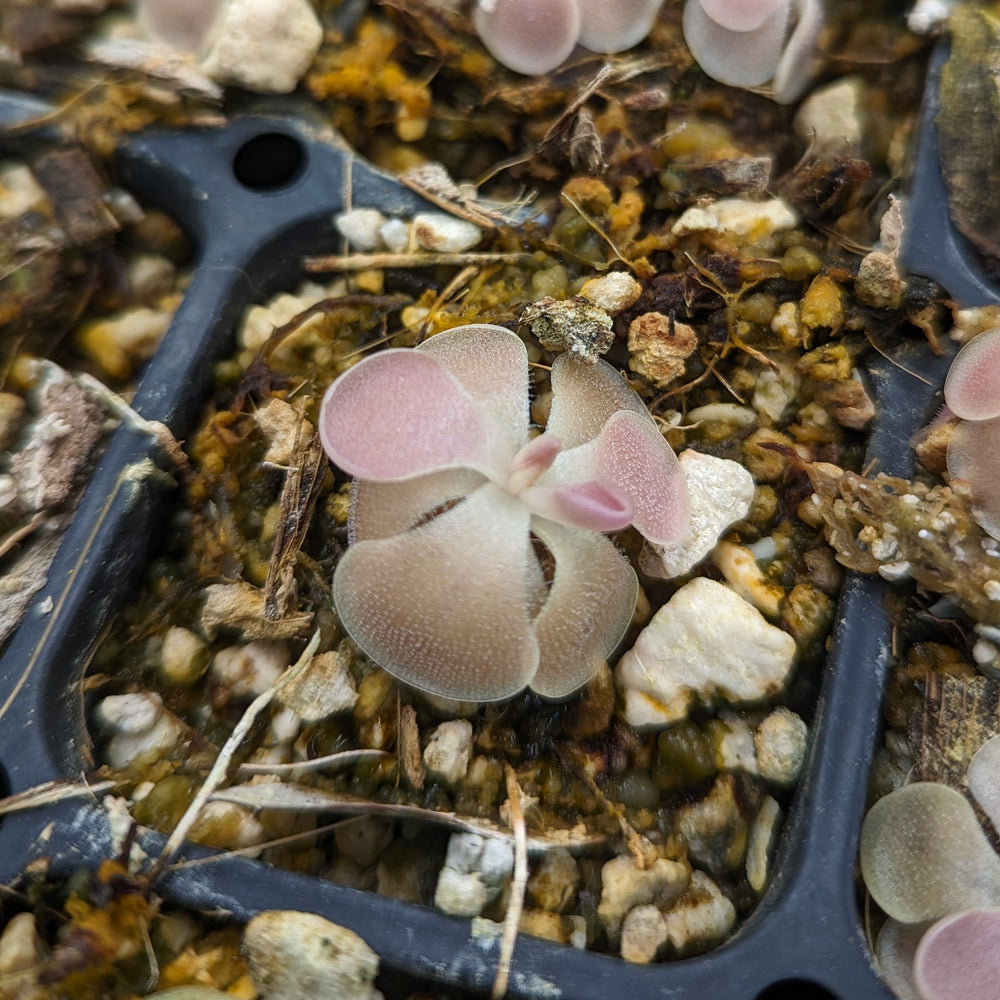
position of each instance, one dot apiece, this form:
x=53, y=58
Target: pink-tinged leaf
x=615, y=27
x=591, y=505
x=972, y=388
x=633, y=456
x=894, y=950
x=741, y=15
x=957, y=958
x=527, y=36
x=400, y=414
x=531, y=461
x=492, y=365
x=447, y=607
x=584, y=395
x=736, y=58
x=984, y=780
x=379, y=510
x=974, y=455
x=588, y=610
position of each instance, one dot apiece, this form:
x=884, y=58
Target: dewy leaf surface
x=924, y=855
x=588, y=609
x=447, y=606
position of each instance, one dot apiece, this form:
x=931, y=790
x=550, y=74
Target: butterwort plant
x=746, y=43
x=478, y=561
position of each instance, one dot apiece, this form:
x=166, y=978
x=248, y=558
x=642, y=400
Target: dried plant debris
x=909, y=530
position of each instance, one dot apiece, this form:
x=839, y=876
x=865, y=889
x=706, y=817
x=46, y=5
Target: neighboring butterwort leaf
x=447, y=606
x=984, y=780
x=589, y=607
x=894, y=950
x=923, y=854
x=972, y=451
x=739, y=58
x=957, y=958
x=972, y=388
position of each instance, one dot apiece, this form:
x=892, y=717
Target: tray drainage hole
x=269, y=161
x=796, y=989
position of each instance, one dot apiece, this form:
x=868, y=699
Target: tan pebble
x=293, y=955
x=658, y=347
x=644, y=933
x=760, y=848
x=445, y=233
x=613, y=292
x=703, y=917
x=738, y=566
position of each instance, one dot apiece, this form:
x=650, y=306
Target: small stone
x=624, y=885
x=644, y=933
x=122, y=342
x=184, y=656
x=363, y=839
x=658, y=347
x=264, y=45
x=12, y=411
x=21, y=952
x=140, y=726
x=252, y=669
x=571, y=930
x=574, y=324
x=149, y=277
x=829, y=121
x=362, y=228
x=738, y=565
x=445, y=233
x=714, y=828
x=293, y=955
x=776, y=388
x=612, y=292
x=447, y=754
x=760, y=846
x=228, y=827
x=781, y=742
x=474, y=873
x=879, y=283
x=324, y=689
x=687, y=656
x=753, y=220
x=20, y=192
x=553, y=882
x=701, y=918
x=720, y=492
x=395, y=234
x=283, y=427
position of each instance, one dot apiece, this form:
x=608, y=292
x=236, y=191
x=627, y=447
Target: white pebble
x=361, y=227
x=612, y=292
x=264, y=45
x=624, y=885
x=829, y=120
x=449, y=751
x=706, y=642
x=252, y=669
x=445, y=233
x=701, y=918
x=140, y=725
x=183, y=656
x=324, y=689
x=737, y=216
x=719, y=492
x=395, y=234
x=781, y=742
x=474, y=873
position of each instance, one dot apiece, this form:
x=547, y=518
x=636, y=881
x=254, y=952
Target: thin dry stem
x=218, y=773
x=515, y=905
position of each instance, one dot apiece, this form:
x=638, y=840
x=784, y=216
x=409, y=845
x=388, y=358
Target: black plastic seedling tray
x=255, y=196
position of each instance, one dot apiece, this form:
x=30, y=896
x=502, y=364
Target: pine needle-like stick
x=515, y=907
